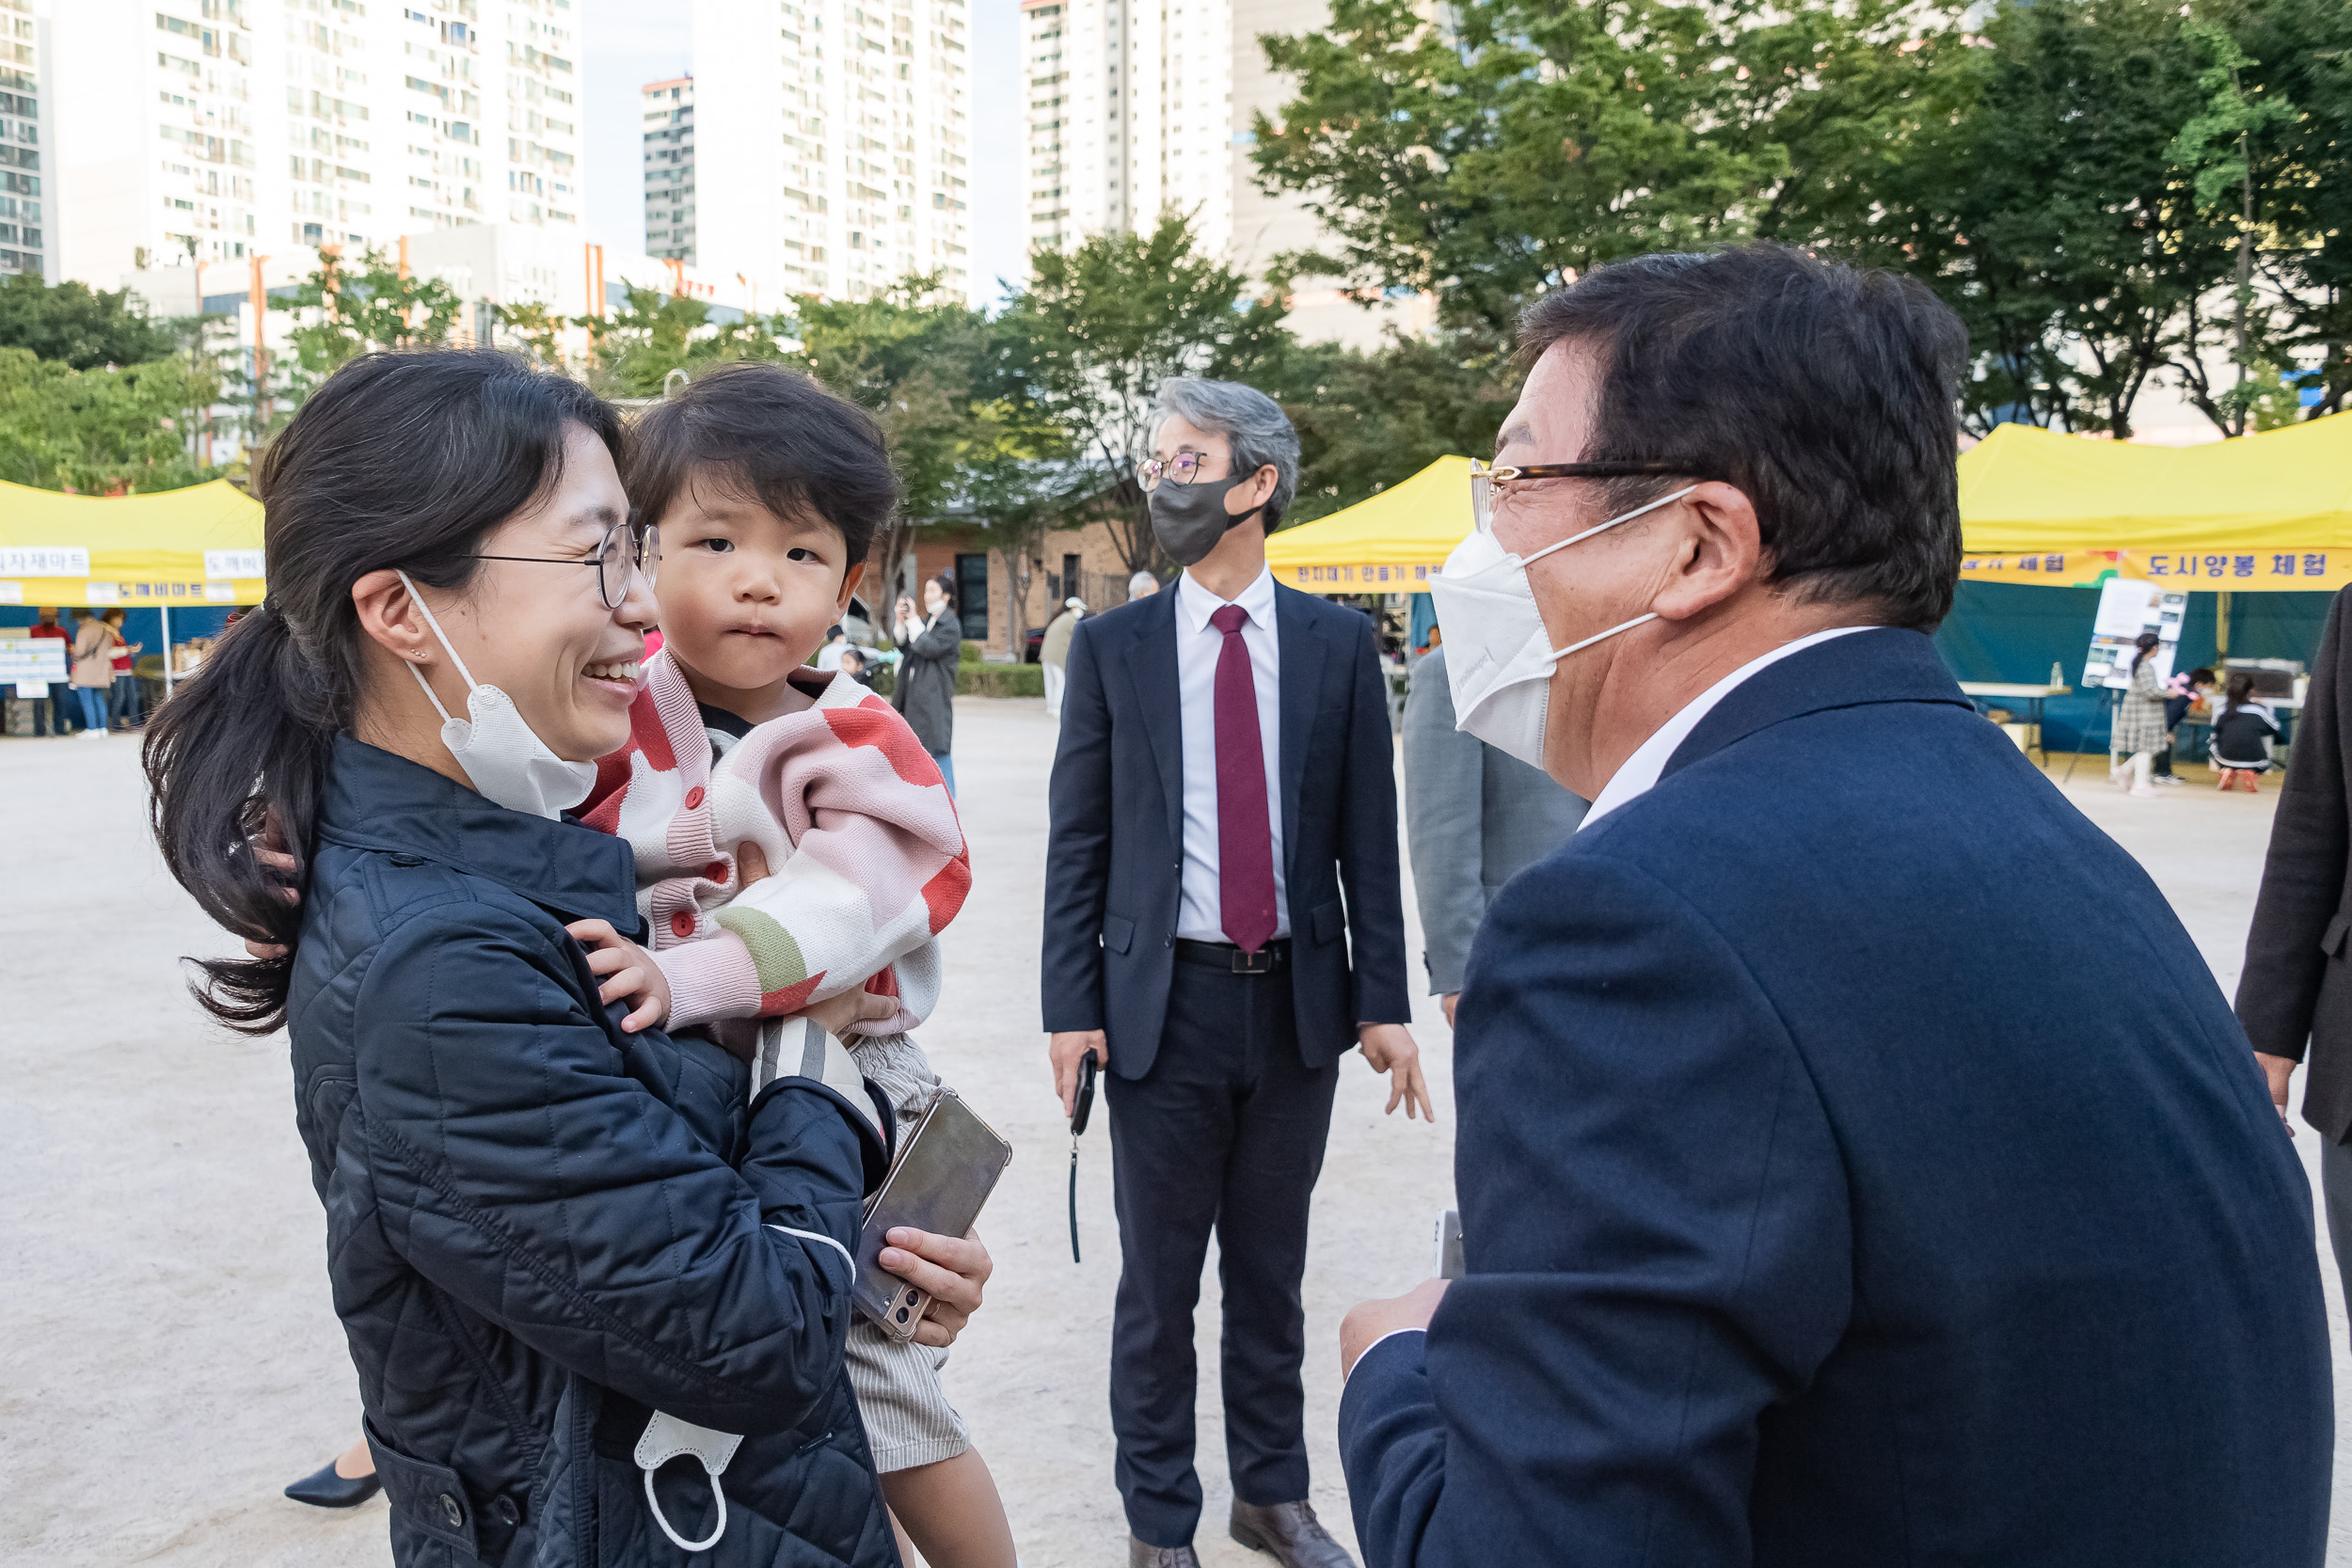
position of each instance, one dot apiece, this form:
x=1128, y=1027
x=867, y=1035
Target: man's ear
x=390, y=618
x=849, y=581
x=1719, y=552
x=1259, y=491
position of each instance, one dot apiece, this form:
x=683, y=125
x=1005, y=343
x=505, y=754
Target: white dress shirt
x=1199, y=913
x=1640, y=771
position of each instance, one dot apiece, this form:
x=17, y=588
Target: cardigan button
x=682, y=923
x=716, y=872
x=508, y=1511
x=453, y=1511
x=694, y=797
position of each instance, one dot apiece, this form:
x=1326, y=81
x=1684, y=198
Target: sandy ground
x=168, y=1356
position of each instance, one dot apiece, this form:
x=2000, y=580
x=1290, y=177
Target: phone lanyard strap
x=1073, y=1197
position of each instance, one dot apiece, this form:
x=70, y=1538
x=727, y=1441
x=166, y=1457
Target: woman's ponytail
x=402, y=460
x=235, y=763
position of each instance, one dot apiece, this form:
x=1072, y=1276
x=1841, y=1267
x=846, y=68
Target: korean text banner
x=201, y=545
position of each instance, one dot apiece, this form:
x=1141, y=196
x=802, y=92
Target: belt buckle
x=1260, y=962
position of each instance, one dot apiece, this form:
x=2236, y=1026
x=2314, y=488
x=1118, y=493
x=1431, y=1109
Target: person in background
x=854, y=665
x=1474, y=818
x=1055, y=654
x=1787, y=1242
x=1224, y=770
x=2180, y=695
x=930, y=647
x=2242, y=734
x=125, y=709
x=2294, y=994
x=93, y=673
x=1141, y=586
x=828, y=656
x=63, y=707
x=2140, y=728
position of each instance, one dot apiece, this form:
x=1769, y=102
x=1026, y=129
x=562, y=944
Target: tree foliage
x=344, y=311
x=71, y=324
x=101, y=430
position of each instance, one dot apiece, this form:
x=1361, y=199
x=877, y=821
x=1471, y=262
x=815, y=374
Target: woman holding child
x=595, y=1276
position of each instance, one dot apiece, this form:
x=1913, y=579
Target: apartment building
x=25, y=231
x=1139, y=105
x=219, y=130
x=846, y=125
x=669, y=115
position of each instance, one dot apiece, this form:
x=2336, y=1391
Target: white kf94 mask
x=1498, y=657
x=502, y=755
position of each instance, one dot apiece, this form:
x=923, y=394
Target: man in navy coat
x=1223, y=922
x=1857, y=1163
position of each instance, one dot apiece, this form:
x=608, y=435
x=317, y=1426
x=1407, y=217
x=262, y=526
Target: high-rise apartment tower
x=847, y=135
x=220, y=129
x=669, y=115
x=24, y=227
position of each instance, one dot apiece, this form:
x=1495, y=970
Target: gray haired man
x=1224, y=770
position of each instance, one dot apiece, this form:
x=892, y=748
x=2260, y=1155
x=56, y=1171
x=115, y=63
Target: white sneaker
x=2142, y=792
x=93, y=734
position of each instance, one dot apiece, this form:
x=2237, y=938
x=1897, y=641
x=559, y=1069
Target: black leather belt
x=1225, y=956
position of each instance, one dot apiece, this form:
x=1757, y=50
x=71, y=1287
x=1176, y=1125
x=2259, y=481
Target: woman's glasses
x=1182, y=469
x=631, y=547
x=1491, y=486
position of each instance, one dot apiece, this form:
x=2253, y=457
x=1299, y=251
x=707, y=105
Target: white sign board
x=32, y=661
x=2127, y=608
x=43, y=560
x=234, y=563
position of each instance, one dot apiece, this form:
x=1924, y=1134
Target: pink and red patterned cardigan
x=866, y=857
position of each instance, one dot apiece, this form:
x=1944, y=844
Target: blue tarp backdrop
x=2010, y=632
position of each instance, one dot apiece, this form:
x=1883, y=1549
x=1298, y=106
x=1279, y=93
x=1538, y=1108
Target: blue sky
x=631, y=42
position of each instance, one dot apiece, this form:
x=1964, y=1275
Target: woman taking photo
x=932, y=646
x=542, y=1228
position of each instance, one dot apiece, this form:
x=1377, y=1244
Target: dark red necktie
x=1244, y=841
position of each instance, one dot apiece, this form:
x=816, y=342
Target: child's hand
x=631, y=970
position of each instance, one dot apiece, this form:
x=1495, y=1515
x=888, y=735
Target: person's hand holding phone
x=952, y=1271
x=1067, y=1049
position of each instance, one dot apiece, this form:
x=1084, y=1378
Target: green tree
x=102, y=428
x=345, y=313
x=1367, y=420
x=73, y=326
x=2222, y=147
x=1084, y=347
x=535, y=329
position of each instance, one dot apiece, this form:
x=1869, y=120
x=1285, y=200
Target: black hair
x=2147, y=643
x=2202, y=675
x=398, y=460
x=1827, y=393
x=2241, y=692
x=769, y=435
x=947, y=585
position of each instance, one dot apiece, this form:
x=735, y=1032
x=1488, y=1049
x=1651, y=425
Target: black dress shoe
x=1141, y=1556
x=1291, y=1532
x=326, y=1489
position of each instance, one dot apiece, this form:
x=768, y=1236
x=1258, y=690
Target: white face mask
x=1498, y=657
x=502, y=754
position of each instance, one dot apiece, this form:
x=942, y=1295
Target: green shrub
x=969, y=653
x=1000, y=680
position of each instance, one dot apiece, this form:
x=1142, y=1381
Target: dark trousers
x=63, y=711
x=2335, y=1192
x=1224, y=1133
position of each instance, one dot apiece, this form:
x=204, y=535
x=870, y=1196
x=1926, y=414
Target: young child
x=767, y=491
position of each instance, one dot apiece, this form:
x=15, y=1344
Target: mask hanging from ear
x=502, y=755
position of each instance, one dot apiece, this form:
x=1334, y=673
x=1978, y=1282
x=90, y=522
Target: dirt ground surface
x=168, y=1359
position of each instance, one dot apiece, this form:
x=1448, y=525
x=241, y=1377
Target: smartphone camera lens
x=903, y=1314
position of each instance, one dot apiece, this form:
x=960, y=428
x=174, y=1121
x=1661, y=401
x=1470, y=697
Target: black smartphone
x=950, y=1165
x=1086, y=1094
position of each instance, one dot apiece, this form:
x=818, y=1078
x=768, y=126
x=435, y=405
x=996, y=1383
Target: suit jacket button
x=506, y=1511
x=453, y=1510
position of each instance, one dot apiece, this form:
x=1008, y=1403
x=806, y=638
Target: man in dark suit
x=1857, y=1163
x=2295, y=995
x=1222, y=923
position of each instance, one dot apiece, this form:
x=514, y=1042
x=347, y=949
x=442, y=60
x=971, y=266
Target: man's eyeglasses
x=1490, y=484
x=1182, y=469
x=631, y=547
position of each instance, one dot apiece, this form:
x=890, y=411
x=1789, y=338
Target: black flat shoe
x=326, y=1489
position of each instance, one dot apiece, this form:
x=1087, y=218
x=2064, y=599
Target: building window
x=972, y=596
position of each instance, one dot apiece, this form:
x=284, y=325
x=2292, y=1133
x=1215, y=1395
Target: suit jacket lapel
x=1152, y=666
x=1302, y=650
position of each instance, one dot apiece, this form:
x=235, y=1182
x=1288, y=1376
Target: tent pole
x=2221, y=628
x=165, y=611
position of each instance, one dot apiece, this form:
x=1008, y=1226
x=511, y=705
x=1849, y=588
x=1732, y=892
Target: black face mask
x=1189, y=519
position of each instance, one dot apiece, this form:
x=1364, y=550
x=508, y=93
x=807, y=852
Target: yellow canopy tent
x=2268, y=513
x=184, y=548
x=193, y=546
x=1387, y=545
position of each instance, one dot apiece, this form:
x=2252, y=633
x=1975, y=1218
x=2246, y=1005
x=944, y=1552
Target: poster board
x=2126, y=609
x=31, y=663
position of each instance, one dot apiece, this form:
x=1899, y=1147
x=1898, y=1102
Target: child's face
x=747, y=595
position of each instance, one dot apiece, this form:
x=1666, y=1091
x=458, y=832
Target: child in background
x=2180, y=695
x=2242, y=732
x=767, y=491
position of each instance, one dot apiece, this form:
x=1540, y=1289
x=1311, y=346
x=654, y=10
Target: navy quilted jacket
x=540, y=1228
